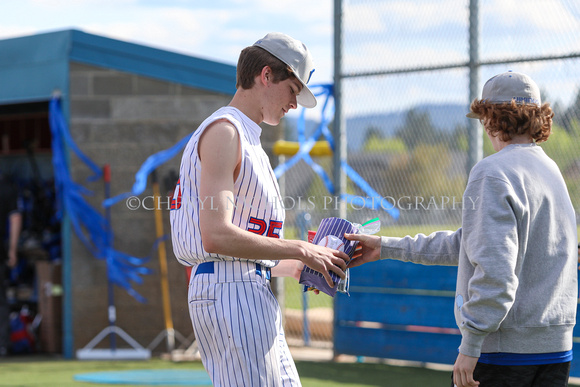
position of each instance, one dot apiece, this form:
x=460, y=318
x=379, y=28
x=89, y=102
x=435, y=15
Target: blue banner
x=373, y=199
x=90, y=226
x=152, y=162
x=324, y=91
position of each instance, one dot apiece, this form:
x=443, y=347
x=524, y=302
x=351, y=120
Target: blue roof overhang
x=33, y=67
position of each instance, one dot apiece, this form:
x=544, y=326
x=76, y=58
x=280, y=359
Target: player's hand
x=369, y=249
x=463, y=371
x=298, y=271
x=323, y=259
x=290, y=268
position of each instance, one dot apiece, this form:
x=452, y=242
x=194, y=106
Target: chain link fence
x=405, y=87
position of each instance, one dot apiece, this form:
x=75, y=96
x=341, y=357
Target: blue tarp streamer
x=91, y=227
x=147, y=167
x=159, y=158
x=373, y=199
x=325, y=91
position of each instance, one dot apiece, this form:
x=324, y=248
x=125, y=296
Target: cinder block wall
x=121, y=119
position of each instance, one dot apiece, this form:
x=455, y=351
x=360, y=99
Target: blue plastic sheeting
x=373, y=199
x=92, y=228
x=148, y=378
x=147, y=167
x=157, y=159
x=324, y=91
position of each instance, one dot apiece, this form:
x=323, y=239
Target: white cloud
x=410, y=15
x=181, y=30
x=304, y=10
x=8, y=31
x=538, y=15
x=379, y=56
x=78, y=3
x=215, y=30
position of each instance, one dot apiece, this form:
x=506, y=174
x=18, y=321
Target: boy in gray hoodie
x=516, y=292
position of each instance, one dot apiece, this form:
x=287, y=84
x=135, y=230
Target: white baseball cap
x=295, y=54
x=510, y=86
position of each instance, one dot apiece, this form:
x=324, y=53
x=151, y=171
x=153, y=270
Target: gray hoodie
x=516, y=254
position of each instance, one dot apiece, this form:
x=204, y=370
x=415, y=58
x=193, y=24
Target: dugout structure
x=122, y=102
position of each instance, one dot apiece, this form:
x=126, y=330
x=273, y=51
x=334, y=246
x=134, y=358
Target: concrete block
x=114, y=84
x=158, y=134
x=192, y=91
x=89, y=108
x=148, y=86
x=165, y=108
x=79, y=84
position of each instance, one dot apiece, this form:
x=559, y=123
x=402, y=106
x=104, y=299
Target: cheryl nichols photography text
x=311, y=203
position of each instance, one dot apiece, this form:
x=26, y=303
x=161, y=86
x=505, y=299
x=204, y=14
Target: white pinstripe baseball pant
x=238, y=325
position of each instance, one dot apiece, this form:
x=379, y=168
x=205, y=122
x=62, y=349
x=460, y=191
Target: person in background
x=10, y=227
x=517, y=290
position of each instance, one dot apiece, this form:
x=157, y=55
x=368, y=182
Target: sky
x=216, y=30
x=378, y=35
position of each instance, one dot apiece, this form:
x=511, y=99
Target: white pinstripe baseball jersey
x=257, y=207
x=235, y=316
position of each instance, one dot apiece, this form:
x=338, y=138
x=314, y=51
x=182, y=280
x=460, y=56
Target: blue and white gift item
x=331, y=234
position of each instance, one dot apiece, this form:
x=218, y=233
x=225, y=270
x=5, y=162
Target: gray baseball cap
x=510, y=86
x=295, y=54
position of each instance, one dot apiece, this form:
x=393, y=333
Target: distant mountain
x=444, y=117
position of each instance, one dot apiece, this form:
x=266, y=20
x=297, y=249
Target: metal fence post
x=339, y=128
x=474, y=130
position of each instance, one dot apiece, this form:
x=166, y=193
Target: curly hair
x=509, y=119
x=251, y=62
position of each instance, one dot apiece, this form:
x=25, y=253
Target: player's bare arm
x=220, y=159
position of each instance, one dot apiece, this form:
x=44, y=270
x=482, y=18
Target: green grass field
x=38, y=371
x=45, y=372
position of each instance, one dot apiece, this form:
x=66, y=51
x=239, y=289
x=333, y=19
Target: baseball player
x=227, y=220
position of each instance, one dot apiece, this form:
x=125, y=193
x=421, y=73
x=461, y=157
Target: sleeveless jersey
x=257, y=203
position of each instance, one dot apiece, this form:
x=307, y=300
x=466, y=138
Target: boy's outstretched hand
x=369, y=249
